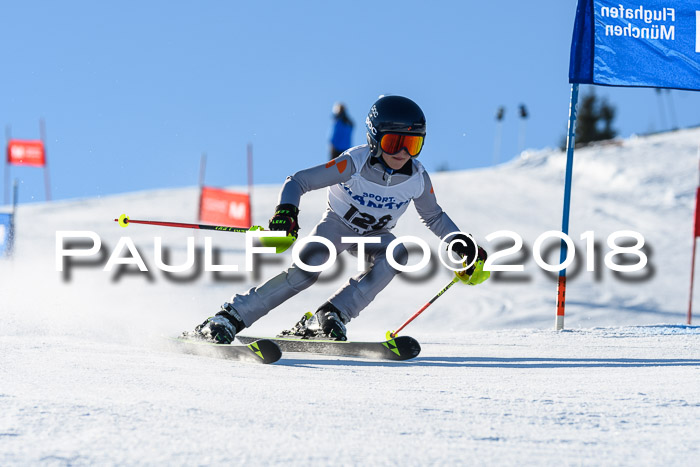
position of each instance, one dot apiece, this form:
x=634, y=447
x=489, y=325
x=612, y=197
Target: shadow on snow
x=496, y=362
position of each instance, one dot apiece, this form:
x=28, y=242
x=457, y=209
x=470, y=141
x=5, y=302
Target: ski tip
x=404, y=347
x=258, y=351
x=267, y=350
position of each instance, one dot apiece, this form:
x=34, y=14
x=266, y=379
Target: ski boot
x=326, y=323
x=220, y=328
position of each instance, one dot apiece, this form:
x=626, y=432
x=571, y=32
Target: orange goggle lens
x=392, y=143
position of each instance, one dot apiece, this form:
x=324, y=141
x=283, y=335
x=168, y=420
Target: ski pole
x=392, y=334
x=125, y=221
x=279, y=243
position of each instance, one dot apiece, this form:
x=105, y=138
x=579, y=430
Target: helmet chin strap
x=387, y=169
x=386, y=166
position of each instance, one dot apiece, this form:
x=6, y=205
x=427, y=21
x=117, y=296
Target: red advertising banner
x=26, y=152
x=222, y=207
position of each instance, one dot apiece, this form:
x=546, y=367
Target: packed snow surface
x=85, y=377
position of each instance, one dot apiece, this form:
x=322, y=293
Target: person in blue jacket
x=341, y=137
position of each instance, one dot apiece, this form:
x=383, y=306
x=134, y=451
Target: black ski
x=255, y=350
x=400, y=348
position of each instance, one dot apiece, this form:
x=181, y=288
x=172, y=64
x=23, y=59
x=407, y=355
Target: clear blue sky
x=134, y=92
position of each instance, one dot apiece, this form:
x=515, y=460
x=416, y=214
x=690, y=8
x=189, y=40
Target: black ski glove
x=286, y=219
x=467, y=249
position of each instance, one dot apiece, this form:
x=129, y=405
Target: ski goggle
x=392, y=143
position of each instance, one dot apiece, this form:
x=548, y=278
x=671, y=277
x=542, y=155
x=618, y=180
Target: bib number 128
x=365, y=221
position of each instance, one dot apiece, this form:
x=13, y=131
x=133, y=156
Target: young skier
x=369, y=188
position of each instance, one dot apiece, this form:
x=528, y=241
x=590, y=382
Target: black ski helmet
x=393, y=114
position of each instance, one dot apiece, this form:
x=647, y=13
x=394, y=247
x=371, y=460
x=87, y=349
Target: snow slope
x=84, y=378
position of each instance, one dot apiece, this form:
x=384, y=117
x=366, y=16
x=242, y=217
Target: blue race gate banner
x=6, y=234
x=653, y=43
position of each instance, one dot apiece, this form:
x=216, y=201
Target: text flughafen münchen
x=647, y=29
